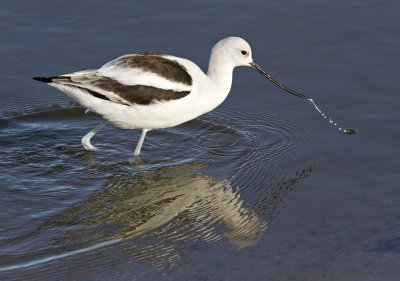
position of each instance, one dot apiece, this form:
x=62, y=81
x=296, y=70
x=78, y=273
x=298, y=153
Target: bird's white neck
x=220, y=72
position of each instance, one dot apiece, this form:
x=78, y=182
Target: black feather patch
x=43, y=79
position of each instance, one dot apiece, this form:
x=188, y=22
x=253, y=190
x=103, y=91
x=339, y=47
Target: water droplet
x=350, y=131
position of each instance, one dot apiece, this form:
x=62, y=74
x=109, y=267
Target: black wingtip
x=43, y=79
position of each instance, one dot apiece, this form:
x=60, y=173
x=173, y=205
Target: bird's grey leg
x=140, y=143
x=86, y=139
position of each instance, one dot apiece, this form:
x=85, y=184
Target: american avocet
x=150, y=90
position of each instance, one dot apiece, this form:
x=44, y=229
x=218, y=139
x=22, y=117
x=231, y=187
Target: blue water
x=260, y=189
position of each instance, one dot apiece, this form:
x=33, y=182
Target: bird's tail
x=44, y=79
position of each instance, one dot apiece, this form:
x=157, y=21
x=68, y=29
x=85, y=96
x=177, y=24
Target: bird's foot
x=136, y=160
x=86, y=143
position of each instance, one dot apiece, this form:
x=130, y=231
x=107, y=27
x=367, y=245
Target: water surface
x=261, y=188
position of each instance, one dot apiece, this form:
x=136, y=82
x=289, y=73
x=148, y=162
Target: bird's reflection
x=164, y=208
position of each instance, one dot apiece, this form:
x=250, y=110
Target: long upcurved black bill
x=277, y=83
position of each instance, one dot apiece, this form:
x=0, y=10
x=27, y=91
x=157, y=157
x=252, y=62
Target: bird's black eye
x=244, y=52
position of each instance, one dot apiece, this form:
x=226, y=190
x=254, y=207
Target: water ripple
x=221, y=177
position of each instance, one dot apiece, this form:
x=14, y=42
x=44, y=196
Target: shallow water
x=261, y=188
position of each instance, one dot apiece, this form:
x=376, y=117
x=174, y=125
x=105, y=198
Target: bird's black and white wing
x=140, y=78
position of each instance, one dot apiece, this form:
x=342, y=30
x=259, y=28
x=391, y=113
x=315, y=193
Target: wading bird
x=149, y=90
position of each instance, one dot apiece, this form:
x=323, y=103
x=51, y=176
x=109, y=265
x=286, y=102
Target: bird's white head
x=233, y=51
